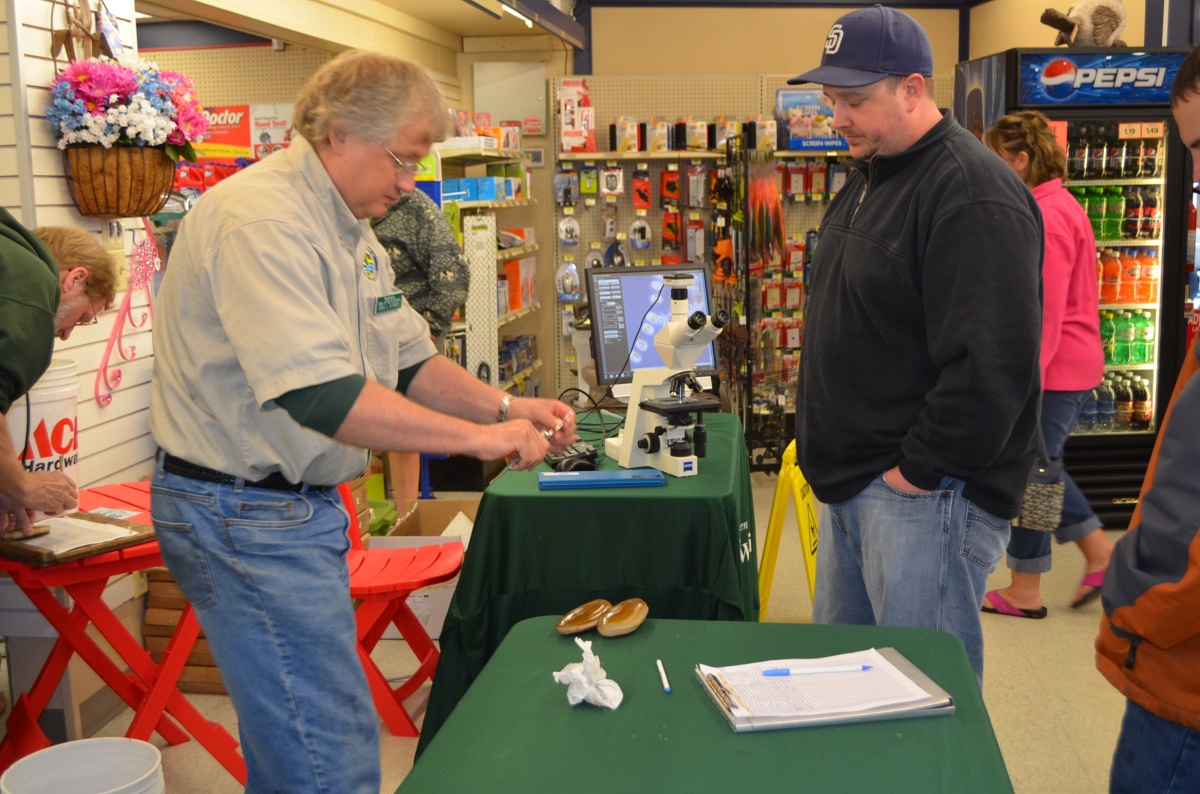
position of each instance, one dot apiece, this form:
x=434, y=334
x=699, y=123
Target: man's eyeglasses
x=403, y=169
x=95, y=316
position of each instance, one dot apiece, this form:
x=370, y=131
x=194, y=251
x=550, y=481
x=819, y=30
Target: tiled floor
x=1055, y=717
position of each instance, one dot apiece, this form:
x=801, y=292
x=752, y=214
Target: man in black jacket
x=919, y=385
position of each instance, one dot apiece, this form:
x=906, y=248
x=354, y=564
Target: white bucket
x=88, y=766
x=53, y=440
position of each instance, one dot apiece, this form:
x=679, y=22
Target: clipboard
x=937, y=703
x=22, y=551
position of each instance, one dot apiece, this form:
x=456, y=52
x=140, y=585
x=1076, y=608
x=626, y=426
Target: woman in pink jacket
x=1072, y=359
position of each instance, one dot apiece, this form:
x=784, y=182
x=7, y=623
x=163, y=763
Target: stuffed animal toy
x=1091, y=23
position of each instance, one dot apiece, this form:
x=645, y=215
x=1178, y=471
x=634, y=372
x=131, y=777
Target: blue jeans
x=266, y=573
x=1154, y=755
x=890, y=558
x=1029, y=549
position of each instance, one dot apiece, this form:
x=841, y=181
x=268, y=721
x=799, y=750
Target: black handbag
x=1042, y=503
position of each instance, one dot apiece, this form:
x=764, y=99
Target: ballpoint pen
x=783, y=671
x=663, y=675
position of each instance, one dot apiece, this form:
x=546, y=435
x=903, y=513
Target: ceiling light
x=528, y=22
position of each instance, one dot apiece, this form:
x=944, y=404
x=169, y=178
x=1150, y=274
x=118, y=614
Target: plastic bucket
x=50, y=440
x=88, y=766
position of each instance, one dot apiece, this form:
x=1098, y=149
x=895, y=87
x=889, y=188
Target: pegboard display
x=242, y=75
x=479, y=247
x=775, y=329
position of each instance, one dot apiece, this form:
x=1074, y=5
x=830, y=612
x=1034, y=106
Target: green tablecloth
x=514, y=730
x=687, y=549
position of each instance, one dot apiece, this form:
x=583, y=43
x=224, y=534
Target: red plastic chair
x=383, y=579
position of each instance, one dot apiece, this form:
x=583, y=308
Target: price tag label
x=656, y=261
x=720, y=221
x=622, y=235
x=640, y=213
x=1154, y=129
x=695, y=216
x=589, y=202
x=672, y=166
x=1129, y=130
x=611, y=199
x=610, y=163
x=595, y=246
x=639, y=262
x=568, y=257
x=644, y=166
x=569, y=209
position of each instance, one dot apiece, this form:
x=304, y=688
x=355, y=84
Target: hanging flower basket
x=118, y=182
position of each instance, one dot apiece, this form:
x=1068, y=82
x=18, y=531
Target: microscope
x=664, y=426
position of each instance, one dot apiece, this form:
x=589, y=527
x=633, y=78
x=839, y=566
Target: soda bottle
x=1096, y=209
x=1114, y=212
x=1108, y=335
x=1115, y=164
x=1143, y=405
x=1151, y=273
x=1151, y=224
x=1131, y=273
x=1124, y=404
x=1087, y=414
x=1149, y=332
x=1133, y=214
x=1077, y=156
x=1124, y=337
x=1137, y=348
x=1097, y=154
x=1106, y=406
x=1132, y=167
x=1110, y=282
x=1151, y=167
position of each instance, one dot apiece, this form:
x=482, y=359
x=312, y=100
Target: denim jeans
x=1154, y=755
x=891, y=558
x=266, y=573
x=1029, y=549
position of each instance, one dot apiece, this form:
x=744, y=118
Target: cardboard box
x=423, y=524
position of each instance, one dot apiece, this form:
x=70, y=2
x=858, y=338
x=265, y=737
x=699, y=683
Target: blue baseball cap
x=867, y=45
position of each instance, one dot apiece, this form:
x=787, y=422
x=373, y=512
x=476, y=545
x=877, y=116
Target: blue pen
x=782, y=671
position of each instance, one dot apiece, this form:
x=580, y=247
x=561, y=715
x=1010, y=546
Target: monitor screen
x=620, y=297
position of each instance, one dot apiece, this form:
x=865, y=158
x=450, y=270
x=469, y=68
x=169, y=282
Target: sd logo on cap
x=867, y=45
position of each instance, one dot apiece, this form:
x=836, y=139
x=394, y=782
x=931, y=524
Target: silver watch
x=502, y=412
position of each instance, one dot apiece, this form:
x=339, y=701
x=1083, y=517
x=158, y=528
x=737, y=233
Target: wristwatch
x=502, y=413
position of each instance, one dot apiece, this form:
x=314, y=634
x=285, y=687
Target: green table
x=514, y=730
x=687, y=549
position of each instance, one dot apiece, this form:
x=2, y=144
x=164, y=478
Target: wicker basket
x=121, y=182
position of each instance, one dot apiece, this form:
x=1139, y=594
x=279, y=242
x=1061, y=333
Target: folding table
x=148, y=688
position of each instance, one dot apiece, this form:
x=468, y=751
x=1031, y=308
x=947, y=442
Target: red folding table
x=149, y=688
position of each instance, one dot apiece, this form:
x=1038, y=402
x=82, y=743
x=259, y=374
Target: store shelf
x=481, y=155
x=525, y=373
x=1155, y=181
x=1130, y=306
x=505, y=254
x=674, y=154
x=499, y=204
x=505, y=319
x=785, y=153
x=1129, y=367
x=1126, y=243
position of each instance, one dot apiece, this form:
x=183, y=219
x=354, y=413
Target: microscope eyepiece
x=720, y=318
x=696, y=320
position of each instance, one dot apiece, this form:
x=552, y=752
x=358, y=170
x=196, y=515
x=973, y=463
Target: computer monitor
x=619, y=297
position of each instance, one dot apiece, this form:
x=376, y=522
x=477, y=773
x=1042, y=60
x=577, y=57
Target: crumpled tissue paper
x=587, y=681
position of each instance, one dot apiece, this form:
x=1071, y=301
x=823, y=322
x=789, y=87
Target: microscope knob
x=720, y=318
x=648, y=443
x=697, y=320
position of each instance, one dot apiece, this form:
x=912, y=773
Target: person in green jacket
x=51, y=280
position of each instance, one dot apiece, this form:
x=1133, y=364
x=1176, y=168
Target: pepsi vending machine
x=1128, y=169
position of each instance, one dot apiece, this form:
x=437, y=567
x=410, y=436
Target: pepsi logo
x=1058, y=79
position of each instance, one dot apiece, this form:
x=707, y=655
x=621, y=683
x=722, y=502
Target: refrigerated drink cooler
x=1129, y=171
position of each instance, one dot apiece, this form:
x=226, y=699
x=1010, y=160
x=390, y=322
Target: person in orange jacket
x=1149, y=643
